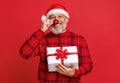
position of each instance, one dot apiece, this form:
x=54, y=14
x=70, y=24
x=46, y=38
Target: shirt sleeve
x=31, y=47
x=85, y=62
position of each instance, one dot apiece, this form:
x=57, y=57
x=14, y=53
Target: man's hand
x=65, y=70
x=46, y=24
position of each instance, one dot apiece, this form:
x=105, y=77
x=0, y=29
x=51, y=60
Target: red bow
x=60, y=53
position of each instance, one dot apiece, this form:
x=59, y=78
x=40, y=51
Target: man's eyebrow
x=51, y=15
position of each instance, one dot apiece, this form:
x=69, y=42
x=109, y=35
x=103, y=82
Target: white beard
x=59, y=31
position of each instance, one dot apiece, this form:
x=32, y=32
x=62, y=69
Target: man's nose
x=55, y=22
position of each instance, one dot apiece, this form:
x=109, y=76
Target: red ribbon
x=60, y=53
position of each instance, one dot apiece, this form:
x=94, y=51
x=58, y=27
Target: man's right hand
x=46, y=24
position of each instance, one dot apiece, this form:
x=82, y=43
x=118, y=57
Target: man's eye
x=51, y=17
x=61, y=16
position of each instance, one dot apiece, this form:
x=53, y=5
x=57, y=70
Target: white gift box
x=72, y=58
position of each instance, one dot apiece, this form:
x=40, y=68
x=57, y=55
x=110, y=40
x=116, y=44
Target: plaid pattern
x=36, y=45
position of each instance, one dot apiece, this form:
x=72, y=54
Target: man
x=56, y=18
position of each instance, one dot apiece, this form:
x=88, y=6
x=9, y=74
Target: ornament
x=55, y=22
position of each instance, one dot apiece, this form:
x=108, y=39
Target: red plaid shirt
x=36, y=45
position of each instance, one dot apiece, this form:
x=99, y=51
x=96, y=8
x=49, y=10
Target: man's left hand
x=69, y=71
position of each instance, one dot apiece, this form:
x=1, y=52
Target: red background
x=97, y=20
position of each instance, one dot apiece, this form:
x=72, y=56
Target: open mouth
x=60, y=22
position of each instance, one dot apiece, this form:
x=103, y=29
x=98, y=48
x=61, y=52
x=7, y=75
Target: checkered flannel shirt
x=36, y=46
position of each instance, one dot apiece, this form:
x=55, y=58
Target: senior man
x=56, y=18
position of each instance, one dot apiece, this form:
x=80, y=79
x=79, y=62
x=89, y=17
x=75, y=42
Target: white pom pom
x=43, y=18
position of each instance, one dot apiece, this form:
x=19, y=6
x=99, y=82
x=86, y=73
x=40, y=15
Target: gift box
x=62, y=55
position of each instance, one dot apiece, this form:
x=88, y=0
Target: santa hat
x=55, y=8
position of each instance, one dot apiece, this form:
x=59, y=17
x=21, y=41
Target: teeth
x=60, y=22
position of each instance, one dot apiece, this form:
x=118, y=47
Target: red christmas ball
x=55, y=22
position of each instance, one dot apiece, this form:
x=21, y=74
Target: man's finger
x=61, y=67
x=60, y=71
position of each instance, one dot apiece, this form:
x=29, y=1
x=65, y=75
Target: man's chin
x=56, y=31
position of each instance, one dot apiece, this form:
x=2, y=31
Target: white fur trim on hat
x=53, y=11
x=43, y=18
